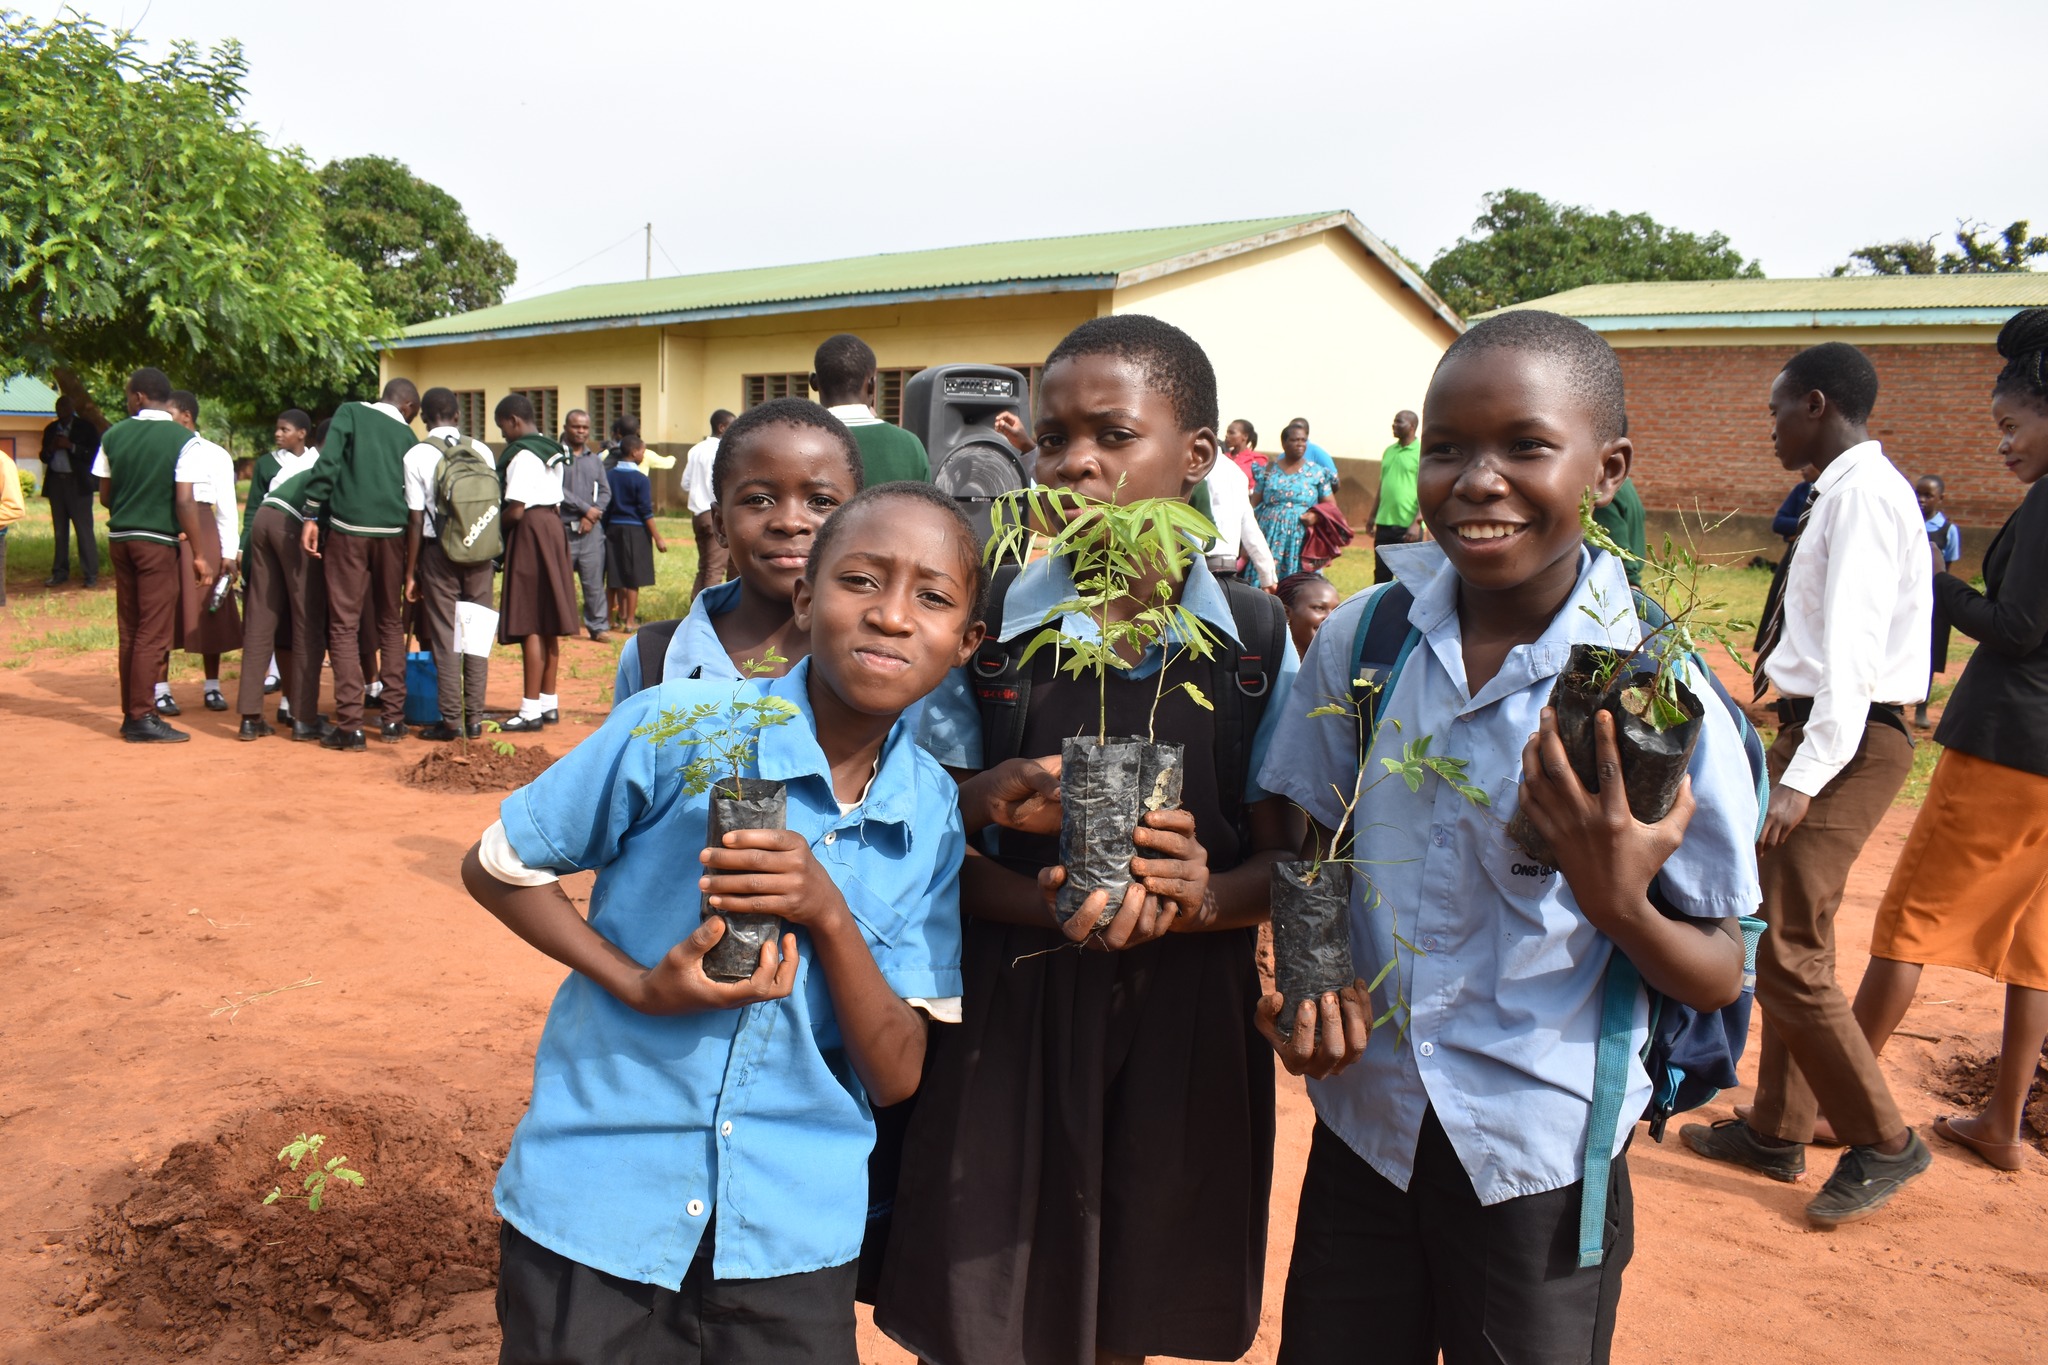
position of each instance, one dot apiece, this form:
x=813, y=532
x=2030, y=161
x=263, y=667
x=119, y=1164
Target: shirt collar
x=454, y=432
x=1847, y=463
x=153, y=415
x=791, y=751
x=854, y=413
x=1046, y=583
x=393, y=413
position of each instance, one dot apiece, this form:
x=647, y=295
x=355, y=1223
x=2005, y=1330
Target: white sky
x=755, y=134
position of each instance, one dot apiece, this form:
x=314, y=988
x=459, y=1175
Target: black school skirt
x=628, y=556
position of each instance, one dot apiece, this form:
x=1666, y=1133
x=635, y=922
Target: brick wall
x=1701, y=429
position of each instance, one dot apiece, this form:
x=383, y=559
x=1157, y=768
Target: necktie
x=1774, y=623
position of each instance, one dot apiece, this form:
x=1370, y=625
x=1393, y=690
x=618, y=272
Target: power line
x=586, y=260
x=665, y=256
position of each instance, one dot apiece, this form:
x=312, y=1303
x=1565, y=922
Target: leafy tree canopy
x=1524, y=247
x=144, y=222
x=1978, y=251
x=411, y=240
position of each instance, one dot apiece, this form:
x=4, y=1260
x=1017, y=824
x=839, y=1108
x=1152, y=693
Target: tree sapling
x=319, y=1177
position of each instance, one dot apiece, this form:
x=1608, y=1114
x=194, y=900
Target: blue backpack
x=1691, y=1056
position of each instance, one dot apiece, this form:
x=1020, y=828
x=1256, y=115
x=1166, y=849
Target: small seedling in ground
x=505, y=748
x=337, y=1168
x=729, y=745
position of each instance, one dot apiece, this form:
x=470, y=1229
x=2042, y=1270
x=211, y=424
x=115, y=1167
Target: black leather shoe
x=271, y=685
x=55, y=580
x=89, y=584
x=167, y=705
x=476, y=729
x=151, y=730
x=391, y=731
x=343, y=740
x=255, y=727
x=215, y=701
x=551, y=717
x=520, y=725
x=373, y=701
x=284, y=714
x=440, y=732
x=314, y=731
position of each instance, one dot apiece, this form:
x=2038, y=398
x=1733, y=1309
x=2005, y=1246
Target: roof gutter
x=1825, y=317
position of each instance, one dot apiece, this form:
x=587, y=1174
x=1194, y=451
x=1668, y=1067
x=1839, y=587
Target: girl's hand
x=677, y=984
x=1021, y=794
x=1329, y=1034
x=1139, y=919
x=773, y=872
x=1178, y=871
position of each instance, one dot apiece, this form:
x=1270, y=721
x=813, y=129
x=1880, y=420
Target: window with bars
x=608, y=402
x=889, y=393
x=547, y=408
x=471, y=416
x=762, y=387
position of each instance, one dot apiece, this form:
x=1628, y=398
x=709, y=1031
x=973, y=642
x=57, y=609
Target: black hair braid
x=2023, y=341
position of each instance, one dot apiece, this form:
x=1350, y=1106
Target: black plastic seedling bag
x=759, y=805
x=1311, y=936
x=1159, y=778
x=1101, y=786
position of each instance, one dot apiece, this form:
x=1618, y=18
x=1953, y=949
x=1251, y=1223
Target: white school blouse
x=211, y=472
x=529, y=481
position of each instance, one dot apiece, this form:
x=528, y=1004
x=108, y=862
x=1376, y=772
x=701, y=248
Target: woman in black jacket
x=1971, y=886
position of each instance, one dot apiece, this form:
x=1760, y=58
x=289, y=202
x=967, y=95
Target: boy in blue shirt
x=689, y=1182
x=1945, y=540
x=1440, y=1206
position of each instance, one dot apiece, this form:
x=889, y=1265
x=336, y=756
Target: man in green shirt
x=1622, y=519
x=1399, y=518
x=844, y=376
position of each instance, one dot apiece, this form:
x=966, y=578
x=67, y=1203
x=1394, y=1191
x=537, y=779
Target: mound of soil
x=195, y=1250
x=1967, y=1078
x=481, y=769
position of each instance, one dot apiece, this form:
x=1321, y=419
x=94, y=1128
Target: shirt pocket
x=882, y=918
x=1519, y=877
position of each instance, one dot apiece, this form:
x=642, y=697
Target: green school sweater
x=889, y=453
x=290, y=495
x=359, y=483
x=142, y=457
x=1622, y=518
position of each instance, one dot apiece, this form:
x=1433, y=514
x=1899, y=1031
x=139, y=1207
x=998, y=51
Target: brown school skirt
x=201, y=631
x=1971, y=886
x=539, y=597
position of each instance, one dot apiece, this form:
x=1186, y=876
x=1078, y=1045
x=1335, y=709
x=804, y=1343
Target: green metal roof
x=1838, y=301
x=1040, y=265
x=25, y=397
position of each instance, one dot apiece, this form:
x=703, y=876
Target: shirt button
x=1429, y=943
x=725, y=1129
x=1427, y=1050
x=696, y=1206
x=832, y=837
x=1439, y=837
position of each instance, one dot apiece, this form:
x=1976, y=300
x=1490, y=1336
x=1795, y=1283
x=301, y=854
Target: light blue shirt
x=694, y=651
x=641, y=1128
x=1506, y=993
x=951, y=727
x=1320, y=456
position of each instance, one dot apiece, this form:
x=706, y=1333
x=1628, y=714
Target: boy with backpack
x=1467, y=1189
x=451, y=537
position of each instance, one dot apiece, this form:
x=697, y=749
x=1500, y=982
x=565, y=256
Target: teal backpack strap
x=1381, y=647
x=1610, y=1087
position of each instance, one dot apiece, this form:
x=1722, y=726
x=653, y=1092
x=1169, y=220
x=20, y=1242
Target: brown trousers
x=146, y=614
x=278, y=616
x=1813, y=1051
x=365, y=596
x=442, y=584
x=713, y=559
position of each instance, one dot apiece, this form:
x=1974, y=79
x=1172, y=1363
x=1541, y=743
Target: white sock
x=284, y=710
x=529, y=709
x=549, y=701
x=376, y=689
x=213, y=684
x=163, y=689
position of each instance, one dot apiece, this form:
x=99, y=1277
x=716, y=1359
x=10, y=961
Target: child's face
x=1100, y=422
x=786, y=482
x=1312, y=606
x=888, y=614
x=1929, y=494
x=290, y=438
x=1508, y=449
x=1797, y=423
x=2022, y=435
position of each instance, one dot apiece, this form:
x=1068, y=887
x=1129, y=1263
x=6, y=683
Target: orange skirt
x=1971, y=886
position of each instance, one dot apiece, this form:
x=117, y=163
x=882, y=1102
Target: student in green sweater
x=844, y=376
x=1622, y=518
x=358, y=487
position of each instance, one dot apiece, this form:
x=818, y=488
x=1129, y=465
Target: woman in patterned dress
x=1285, y=492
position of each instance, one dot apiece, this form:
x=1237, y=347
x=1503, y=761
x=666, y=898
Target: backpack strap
x=1002, y=689
x=1381, y=648
x=1610, y=1087
x=1241, y=685
x=650, y=642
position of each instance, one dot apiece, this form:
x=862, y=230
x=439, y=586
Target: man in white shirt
x=1237, y=530
x=437, y=583
x=1846, y=647
x=711, y=556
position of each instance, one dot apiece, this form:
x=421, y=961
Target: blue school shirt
x=951, y=726
x=694, y=651
x=1946, y=534
x=642, y=1128
x=1506, y=993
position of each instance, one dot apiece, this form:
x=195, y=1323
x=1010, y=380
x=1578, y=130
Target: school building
x=1305, y=316
x=1699, y=358
x=26, y=407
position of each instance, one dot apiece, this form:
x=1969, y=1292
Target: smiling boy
x=1440, y=1207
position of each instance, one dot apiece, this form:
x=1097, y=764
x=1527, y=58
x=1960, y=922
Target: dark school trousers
x=586, y=557
x=443, y=583
x=1380, y=1275
x=1385, y=535
x=269, y=560
x=71, y=510
x=146, y=614
x=712, y=558
x=365, y=597
x=1813, y=1052
x=555, y=1311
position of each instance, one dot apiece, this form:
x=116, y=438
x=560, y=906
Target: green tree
x=1979, y=251
x=411, y=240
x=143, y=221
x=1525, y=247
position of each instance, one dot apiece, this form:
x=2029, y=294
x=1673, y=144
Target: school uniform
x=1847, y=652
x=1440, y=1206
x=585, y=486
x=443, y=584
x=202, y=627
x=539, y=596
x=699, y=1183
x=629, y=549
x=712, y=557
x=274, y=572
x=282, y=556
x=141, y=456
x=357, y=491
x=1945, y=539
x=693, y=650
x=888, y=453
x=1090, y=1160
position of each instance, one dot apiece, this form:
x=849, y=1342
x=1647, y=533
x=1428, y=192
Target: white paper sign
x=476, y=629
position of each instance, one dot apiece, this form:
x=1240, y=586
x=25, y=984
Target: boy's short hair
x=1251, y=433
x=439, y=407
x=2023, y=342
x=722, y=415
x=1173, y=363
x=843, y=363
x=296, y=417
x=1593, y=370
x=151, y=383
x=622, y=427
x=513, y=405
x=399, y=392
x=1940, y=484
x=185, y=401
x=909, y=490
x=794, y=412
x=1841, y=372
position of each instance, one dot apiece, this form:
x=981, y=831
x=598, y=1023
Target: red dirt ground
x=150, y=891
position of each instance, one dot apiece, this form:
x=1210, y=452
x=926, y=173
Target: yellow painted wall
x=1797, y=337
x=571, y=363
x=1312, y=328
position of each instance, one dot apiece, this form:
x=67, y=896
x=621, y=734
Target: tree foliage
x=1525, y=247
x=1978, y=251
x=411, y=240
x=143, y=221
